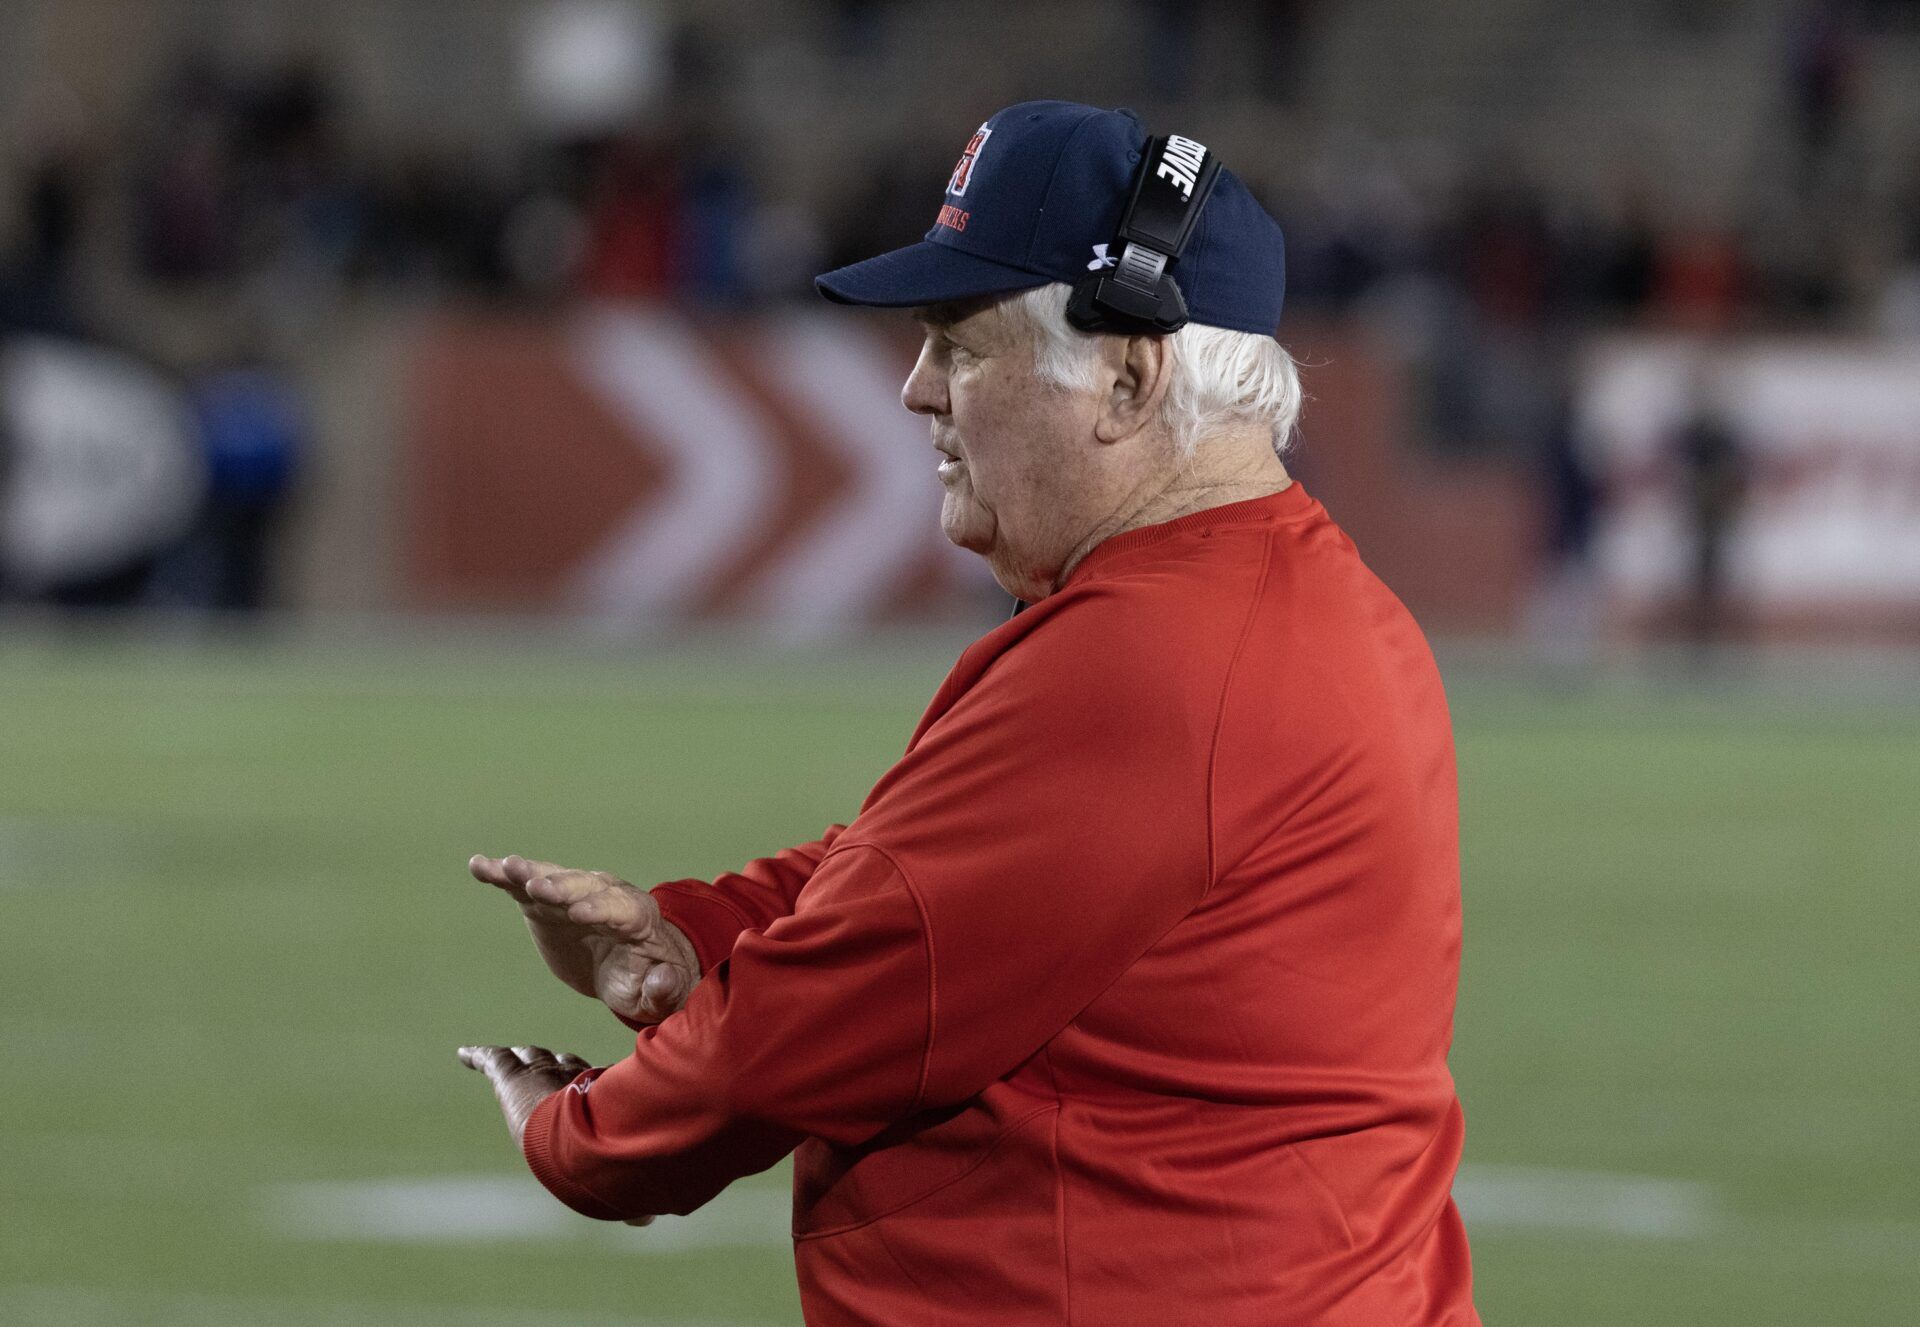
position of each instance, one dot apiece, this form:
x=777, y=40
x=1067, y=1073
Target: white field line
x=1509, y=1198
x=495, y=1208
x=62, y=853
x=513, y=1208
x=90, y=1306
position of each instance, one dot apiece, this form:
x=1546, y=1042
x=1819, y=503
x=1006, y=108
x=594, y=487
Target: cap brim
x=923, y=273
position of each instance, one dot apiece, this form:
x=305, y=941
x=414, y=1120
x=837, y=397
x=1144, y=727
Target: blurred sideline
x=1610, y=316
x=401, y=650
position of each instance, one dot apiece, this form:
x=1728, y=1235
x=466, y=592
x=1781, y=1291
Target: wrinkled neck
x=1231, y=465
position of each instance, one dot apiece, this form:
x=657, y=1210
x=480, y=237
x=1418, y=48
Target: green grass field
x=242, y=948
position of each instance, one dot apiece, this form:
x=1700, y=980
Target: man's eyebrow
x=945, y=313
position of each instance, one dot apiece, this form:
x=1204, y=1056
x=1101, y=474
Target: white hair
x=1219, y=376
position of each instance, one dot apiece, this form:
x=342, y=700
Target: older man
x=1126, y=997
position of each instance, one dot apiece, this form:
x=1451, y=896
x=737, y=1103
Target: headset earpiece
x=1138, y=294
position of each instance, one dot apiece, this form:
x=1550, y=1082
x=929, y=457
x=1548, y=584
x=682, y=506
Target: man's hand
x=522, y=1078
x=599, y=935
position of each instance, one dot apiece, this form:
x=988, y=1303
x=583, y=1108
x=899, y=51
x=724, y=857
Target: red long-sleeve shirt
x=1126, y=998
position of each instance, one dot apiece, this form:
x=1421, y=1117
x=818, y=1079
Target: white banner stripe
x=852, y=556
x=721, y=481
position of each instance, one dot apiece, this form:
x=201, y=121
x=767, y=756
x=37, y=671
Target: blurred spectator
x=1700, y=280
x=37, y=279
x=1564, y=611
x=1714, y=468
x=635, y=215
x=1822, y=80
x=1624, y=246
x=247, y=178
x=184, y=214
x=717, y=211
x=1506, y=253
x=1896, y=311
x=253, y=430
x=39, y=271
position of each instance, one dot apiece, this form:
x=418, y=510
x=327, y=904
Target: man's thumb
x=663, y=990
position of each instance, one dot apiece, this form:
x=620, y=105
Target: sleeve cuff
x=708, y=921
x=538, y=1144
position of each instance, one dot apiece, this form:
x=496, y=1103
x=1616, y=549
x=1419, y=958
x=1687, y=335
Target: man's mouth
x=952, y=464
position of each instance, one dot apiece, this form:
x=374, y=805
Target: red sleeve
x=1042, y=835
x=712, y=914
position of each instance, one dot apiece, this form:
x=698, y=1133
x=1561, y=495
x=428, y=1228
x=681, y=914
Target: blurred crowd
x=230, y=175
x=247, y=185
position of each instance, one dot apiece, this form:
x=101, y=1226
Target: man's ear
x=1141, y=366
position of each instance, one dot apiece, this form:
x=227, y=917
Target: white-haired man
x=1127, y=995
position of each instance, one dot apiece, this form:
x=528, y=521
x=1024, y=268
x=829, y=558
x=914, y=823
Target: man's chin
x=983, y=547
x=1019, y=587
x=966, y=529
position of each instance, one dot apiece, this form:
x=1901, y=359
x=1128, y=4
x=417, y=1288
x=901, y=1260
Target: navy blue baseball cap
x=1037, y=196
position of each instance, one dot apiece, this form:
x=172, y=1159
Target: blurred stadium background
x=418, y=437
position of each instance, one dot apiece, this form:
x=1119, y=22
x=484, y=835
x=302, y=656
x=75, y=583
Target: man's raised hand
x=599, y=935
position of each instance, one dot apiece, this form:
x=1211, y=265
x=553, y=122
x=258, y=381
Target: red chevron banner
x=638, y=465
x=643, y=465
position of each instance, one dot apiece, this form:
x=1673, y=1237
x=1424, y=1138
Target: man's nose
x=925, y=391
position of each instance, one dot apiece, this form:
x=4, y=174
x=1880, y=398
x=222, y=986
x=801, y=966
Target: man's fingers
x=594, y=898
x=562, y=887
x=509, y=874
x=619, y=909
x=520, y=869
x=501, y=1063
x=489, y=1060
x=493, y=871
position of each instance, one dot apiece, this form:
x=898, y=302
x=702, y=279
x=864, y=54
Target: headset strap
x=1172, y=185
x=1175, y=177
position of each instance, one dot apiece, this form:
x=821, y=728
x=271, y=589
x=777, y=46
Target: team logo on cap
x=963, y=168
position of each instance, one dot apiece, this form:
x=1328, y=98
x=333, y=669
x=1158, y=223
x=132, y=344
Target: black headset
x=1134, y=291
